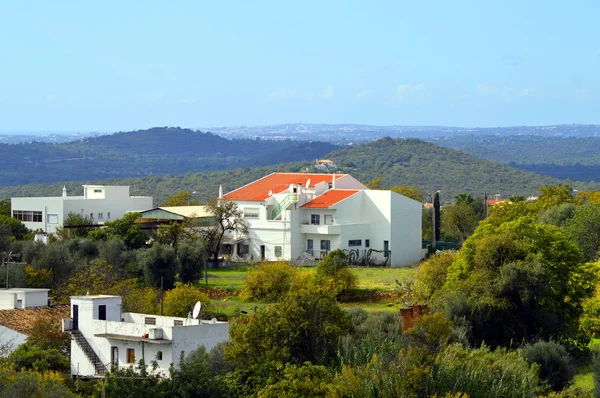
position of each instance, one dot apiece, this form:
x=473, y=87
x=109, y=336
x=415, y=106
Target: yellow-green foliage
x=180, y=300
x=144, y=299
x=306, y=381
x=38, y=277
x=96, y=278
x=270, y=281
x=431, y=276
x=333, y=273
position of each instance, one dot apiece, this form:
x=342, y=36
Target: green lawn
x=368, y=278
x=584, y=377
x=378, y=279
x=381, y=278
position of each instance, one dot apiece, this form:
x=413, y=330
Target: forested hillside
x=397, y=161
x=565, y=158
x=145, y=152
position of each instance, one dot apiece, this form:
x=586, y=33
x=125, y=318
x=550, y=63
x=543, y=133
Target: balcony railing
x=291, y=198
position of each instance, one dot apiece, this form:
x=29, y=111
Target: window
x=251, y=213
x=148, y=320
x=355, y=242
x=130, y=355
x=278, y=251
x=159, y=356
x=328, y=220
x=28, y=215
x=367, y=243
x=108, y=215
x=325, y=247
x=100, y=216
x=97, y=191
x=386, y=249
x=315, y=219
x=177, y=322
x=92, y=216
x=52, y=218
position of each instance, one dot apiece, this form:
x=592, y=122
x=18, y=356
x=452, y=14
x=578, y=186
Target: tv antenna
x=197, y=309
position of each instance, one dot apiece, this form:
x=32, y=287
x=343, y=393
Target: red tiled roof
x=276, y=182
x=22, y=320
x=330, y=198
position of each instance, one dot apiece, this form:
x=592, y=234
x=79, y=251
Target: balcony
x=333, y=229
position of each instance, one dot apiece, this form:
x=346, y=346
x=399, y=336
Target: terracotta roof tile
x=330, y=198
x=22, y=320
x=276, y=182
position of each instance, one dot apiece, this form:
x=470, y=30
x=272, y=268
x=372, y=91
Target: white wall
x=113, y=199
x=188, y=338
x=8, y=300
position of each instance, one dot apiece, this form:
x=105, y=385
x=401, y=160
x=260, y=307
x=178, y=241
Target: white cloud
x=510, y=91
x=282, y=94
x=484, y=90
x=329, y=92
x=364, y=95
x=404, y=90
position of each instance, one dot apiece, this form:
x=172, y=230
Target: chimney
x=333, y=181
x=64, y=191
x=220, y=191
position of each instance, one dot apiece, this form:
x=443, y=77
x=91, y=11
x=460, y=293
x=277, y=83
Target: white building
x=16, y=298
x=104, y=338
x=100, y=202
x=290, y=215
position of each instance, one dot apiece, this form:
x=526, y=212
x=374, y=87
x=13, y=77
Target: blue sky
x=122, y=65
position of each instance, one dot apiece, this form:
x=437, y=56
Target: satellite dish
x=196, y=311
x=270, y=193
x=308, y=183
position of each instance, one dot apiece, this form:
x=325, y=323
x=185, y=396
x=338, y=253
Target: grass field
x=368, y=278
x=584, y=378
x=372, y=279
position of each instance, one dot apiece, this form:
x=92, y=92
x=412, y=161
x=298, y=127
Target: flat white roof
x=94, y=296
x=24, y=290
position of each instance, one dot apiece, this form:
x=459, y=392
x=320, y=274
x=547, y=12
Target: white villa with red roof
x=295, y=215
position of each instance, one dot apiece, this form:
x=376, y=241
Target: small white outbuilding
x=16, y=298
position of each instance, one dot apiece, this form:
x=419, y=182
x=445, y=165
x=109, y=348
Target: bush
x=554, y=362
x=158, y=261
x=482, y=373
x=180, y=300
x=270, y=282
x=431, y=276
x=332, y=272
x=31, y=356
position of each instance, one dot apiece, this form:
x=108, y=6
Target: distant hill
x=431, y=167
x=566, y=158
x=168, y=150
x=397, y=161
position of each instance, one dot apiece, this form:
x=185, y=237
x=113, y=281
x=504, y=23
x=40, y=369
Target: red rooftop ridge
x=330, y=198
x=258, y=191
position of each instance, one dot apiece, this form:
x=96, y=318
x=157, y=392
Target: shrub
x=553, y=360
x=270, y=281
x=31, y=356
x=431, y=276
x=180, y=300
x=482, y=373
x=332, y=272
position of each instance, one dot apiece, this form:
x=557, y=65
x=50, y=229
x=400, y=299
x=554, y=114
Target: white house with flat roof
x=104, y=338
x=100, y=202
x=16, y=298
x=295, y=215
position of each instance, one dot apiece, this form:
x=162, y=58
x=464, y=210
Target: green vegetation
x=156, y=151
x=397, y=162
x=510, y=314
